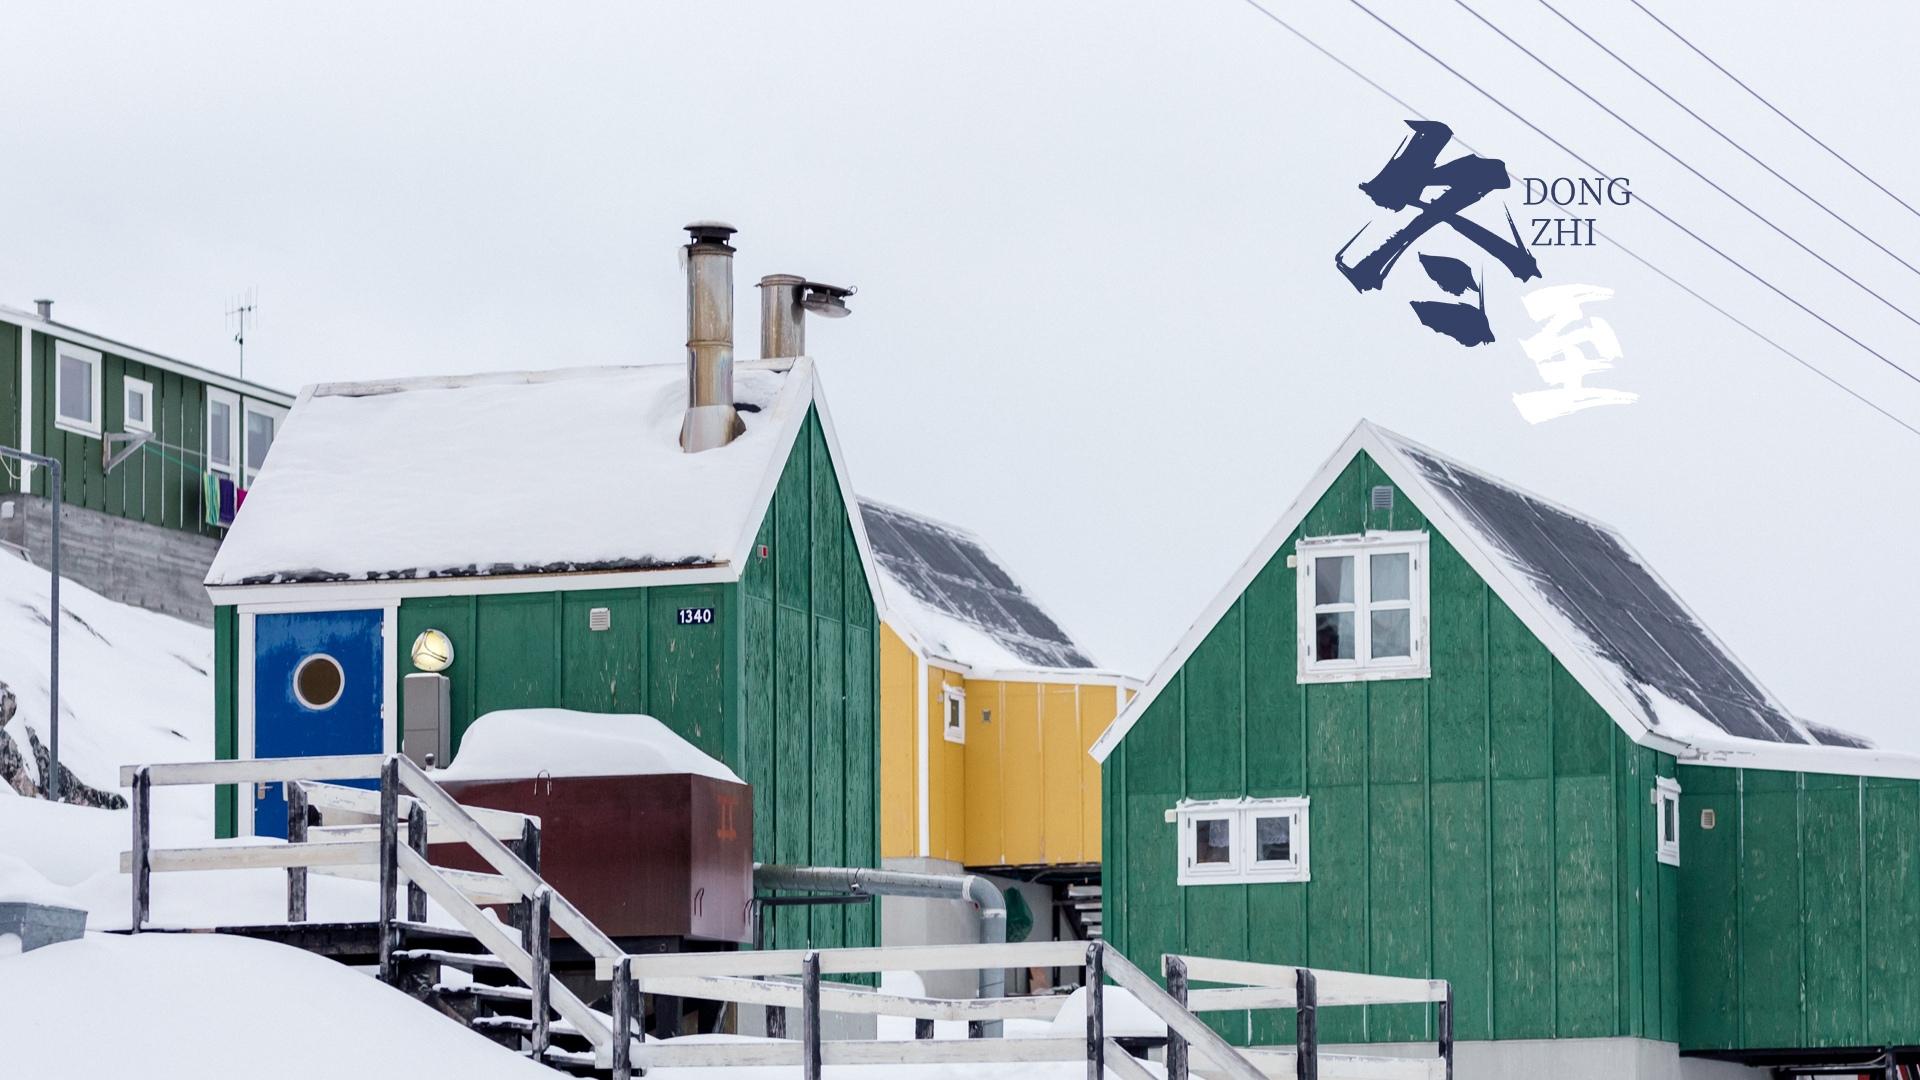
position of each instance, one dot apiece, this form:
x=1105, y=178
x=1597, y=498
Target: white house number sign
x=694, y=616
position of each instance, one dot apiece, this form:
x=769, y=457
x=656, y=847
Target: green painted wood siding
x=1799, y=910
x=1489, y=825
x=151, y=487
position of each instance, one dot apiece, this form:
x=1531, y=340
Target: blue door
x=317, y=687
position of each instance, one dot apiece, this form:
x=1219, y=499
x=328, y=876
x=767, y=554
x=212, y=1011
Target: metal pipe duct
x=860, y=879
x=711, y=420
x=783, y=322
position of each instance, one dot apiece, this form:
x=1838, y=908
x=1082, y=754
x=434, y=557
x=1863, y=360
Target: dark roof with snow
x=948, y=577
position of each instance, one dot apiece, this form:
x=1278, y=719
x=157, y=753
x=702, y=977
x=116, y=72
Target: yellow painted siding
x=899, y=758
x=1021, y=791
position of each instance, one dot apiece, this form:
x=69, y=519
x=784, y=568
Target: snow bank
x=209, y=1007
x=511, y=744
x=134, y=685
x=433, y=476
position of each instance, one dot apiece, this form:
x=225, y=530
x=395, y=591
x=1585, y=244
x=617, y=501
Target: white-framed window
x=1363, y=607
x=223, y=431
x=76, y=388
x=953, y=716
x=1666, y=821
x=262, y=423
x=136, y=405
x=1236, y=841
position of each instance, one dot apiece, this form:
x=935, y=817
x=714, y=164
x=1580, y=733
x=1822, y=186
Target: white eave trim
x=373, y=591
x=62, y=332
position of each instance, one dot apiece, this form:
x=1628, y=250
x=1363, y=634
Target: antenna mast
x=241, y=314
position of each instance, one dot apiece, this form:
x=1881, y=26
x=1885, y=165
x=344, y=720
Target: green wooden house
x=136, y=433
x=1439, y=726
x=579, y=546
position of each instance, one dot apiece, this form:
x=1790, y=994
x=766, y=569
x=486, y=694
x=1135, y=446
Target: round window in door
x=318, y=681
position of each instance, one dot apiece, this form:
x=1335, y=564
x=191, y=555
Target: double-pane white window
x=1226, y=841
x=223, y=431
x=262, y=424
x=76, y=389
x=1363, y=607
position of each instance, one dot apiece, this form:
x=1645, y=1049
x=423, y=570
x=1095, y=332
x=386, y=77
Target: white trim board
x=1386, y=450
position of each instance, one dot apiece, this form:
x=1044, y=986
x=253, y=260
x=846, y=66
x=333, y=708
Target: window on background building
x=954, y=722
x=76, y=389
x=262, y=424
x=1229, y=841
x=136, y=412
x=1666, y=803
x=1363, y=607
x=223, y=430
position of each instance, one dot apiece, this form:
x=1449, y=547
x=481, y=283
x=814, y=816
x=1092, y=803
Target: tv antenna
x=240, y=316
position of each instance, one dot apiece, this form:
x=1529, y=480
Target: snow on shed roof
x=959, y=599
x=1618, y=628
x=512, y=473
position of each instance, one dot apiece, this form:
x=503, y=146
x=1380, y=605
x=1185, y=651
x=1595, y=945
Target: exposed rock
x=72, y=788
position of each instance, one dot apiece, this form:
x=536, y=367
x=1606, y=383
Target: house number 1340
x=695, y=616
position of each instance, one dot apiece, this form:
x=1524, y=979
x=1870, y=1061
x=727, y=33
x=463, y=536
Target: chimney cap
x=710, y=230
x=44, y=307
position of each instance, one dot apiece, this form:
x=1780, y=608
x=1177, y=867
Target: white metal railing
x=410, y=811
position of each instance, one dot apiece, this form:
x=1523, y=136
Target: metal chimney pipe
x=783, y=322
x=711, y=420
x=45, y=308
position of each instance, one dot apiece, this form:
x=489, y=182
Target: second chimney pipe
x=711, y=421
x=783, y=322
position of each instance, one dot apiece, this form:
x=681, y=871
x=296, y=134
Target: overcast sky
x=1098, y=318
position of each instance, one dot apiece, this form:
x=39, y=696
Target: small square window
x=136, y=412
x=954, y=724
x=1666, y=824
x=76, y=389
x=1242, y=840
x=1363, y=607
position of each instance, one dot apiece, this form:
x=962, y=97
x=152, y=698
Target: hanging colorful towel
x=222, y=498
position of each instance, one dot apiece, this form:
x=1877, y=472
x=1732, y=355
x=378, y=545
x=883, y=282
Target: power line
x=1728, y=139
x=1664, y=216
x=1736, y=320
x=1776, y=109
x=1658, y=145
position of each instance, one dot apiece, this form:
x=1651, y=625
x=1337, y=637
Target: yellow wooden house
x=987, y=711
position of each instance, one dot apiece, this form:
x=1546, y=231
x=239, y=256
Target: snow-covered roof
x=518, y=473
x=958, y=602
x=1618, y=628
x=511, y=744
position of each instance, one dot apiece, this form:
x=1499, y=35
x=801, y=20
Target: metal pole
x=1096, y=1013
x=1176, y=970
x=623, y=1019
x=142, y=841
x=53, y=682
x=1307, y=1053
x=389, y=865
x=810, y=1015
x=296, y=834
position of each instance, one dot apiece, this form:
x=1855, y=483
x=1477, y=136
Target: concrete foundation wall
x=1566, y=1059
x=130, y=561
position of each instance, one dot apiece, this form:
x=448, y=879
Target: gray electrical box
x=427, y=705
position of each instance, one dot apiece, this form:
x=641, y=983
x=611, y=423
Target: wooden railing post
x=1307, y=1050
x=923, y=1029
x=542, y=970
x=142, y=847
x=623, y=1010
x=528, y=849
x=389, y=867
x=810, y=1015
x=296, y=834
x=1445, y=1024
x=1096, y=1012
x=1176, y=971
x=417, y=840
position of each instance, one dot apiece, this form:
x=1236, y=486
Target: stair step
x=430, y=930
x=468, y=961
x=557, y=1056
x=487, y=993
